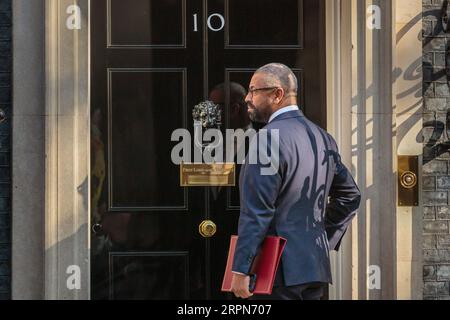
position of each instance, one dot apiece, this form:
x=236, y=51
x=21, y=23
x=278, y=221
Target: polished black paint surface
x=149, y=67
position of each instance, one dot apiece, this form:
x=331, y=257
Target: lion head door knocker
x=207, y=115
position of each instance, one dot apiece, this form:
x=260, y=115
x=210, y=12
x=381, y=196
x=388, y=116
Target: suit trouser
x=308, y=291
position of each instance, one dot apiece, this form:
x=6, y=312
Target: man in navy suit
x=310, y=199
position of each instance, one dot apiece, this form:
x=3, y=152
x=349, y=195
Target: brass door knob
x=207, y=229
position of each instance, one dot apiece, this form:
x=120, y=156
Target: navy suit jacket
x=310, y=201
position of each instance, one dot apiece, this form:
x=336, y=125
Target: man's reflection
x=237, y=109
x=236, y=117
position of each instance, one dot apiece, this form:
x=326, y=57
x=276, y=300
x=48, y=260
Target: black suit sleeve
x=344, y=200
x=259, y=193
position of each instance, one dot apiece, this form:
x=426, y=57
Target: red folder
x=264, y=266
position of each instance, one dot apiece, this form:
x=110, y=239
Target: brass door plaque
x=205, y=175
x=408, y=184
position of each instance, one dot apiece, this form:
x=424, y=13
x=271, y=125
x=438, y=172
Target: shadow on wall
x=69, y=267
x=372, y=151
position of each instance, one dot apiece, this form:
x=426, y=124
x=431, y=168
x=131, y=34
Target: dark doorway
x=151, y=62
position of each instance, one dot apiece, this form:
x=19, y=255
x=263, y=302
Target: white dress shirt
x=283, y=110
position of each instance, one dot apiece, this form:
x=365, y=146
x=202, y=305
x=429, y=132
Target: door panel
x=131, y=121
x=152, y=61
x=264, y=19
x=147, y=23
x=145, y=242
x=134, y=277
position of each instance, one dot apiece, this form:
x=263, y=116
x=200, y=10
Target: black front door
x=152, y=61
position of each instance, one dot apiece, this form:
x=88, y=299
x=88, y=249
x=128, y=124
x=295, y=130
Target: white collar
x=283, y=110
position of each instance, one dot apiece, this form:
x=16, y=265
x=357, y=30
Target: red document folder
x=264, y=266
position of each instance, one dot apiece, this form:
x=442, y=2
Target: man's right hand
x=240, y=286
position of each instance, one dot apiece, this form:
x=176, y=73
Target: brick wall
x=5, y=150
x=436, y=174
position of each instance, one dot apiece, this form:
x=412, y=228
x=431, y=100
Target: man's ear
x=279, y=95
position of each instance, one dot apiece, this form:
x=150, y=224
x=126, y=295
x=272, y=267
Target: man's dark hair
x=280, y=75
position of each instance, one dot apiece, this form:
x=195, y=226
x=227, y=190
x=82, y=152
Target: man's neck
x=285, y=104
x=283, y=110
